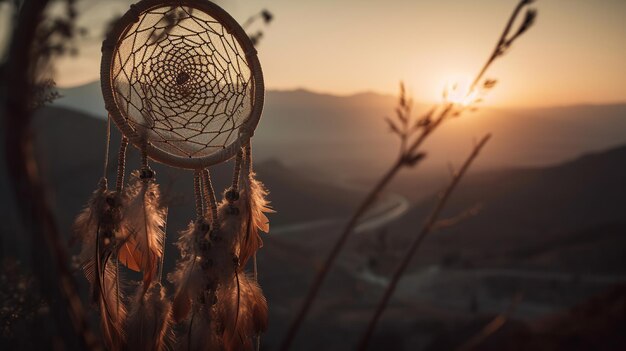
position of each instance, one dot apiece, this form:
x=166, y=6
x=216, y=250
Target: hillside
x=346, y=136
x=73, y=172
x=566, y=217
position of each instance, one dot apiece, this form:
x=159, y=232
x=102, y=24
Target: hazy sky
x=576, y=53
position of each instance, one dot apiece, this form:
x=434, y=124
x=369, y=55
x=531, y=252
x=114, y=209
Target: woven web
x=182, y=81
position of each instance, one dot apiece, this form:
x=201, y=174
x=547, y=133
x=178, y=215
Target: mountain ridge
x=526, y=211
x=347, y=138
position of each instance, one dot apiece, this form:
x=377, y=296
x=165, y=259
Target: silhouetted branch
x=266, y=17
x=30, y=47
x=426, y=229
x=412, y=135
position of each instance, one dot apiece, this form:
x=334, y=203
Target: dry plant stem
x=403, y=161
x=496, y=51
x=426, y=229
x=409, y=156
x=321, y=274
x=30, y=192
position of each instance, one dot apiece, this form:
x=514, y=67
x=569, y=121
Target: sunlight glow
x=459, y=93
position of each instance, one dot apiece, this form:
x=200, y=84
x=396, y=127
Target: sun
x=458, y=92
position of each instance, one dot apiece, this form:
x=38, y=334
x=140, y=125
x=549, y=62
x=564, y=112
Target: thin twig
x=498, y=50
x=321, y=275
x=426, y=229
x=409, y=157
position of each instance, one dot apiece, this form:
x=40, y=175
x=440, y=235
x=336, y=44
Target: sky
x=575, y=54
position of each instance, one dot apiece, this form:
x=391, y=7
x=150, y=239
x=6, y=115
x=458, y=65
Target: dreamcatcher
x=182, y=82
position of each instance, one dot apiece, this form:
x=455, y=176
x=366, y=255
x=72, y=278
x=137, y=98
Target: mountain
x=567, y=217
x=73, y=172
x=345, y=137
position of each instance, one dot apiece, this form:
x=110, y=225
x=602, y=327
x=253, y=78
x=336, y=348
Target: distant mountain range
x=71, y=150
x=346, y=136
x=566, y=217
x=569, y=217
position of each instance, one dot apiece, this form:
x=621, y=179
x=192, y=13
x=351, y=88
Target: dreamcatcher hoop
x=139, y=133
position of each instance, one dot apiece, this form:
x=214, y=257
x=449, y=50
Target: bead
x=232, y=195
x=146, y=173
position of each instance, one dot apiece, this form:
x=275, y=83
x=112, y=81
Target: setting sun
x=459, y=93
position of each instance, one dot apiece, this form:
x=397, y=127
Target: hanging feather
x=201, y=332
x=213, y=293
x=197, y=276
x=254, y=207
x=106, y=295
x=188, y=276
x=144, y=219
x=97, y=226
x=238, y=299
x=149, y=321
x=243, y=311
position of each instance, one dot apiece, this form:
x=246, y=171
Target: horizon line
x=394, y=96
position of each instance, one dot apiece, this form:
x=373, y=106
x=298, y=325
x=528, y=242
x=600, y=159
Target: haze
x=343, y=47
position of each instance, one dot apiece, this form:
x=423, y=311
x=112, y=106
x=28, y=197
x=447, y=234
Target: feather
x=144, y=218
x=254, y=207
x=201, y=333
x=87, y=223
x=243, y=311
x=112, y=310
x=149, y=321
x=225, y=308
x=97, y=227
x=194, y=298
x=241, y=308
x=188, y=275
x=224, y=241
